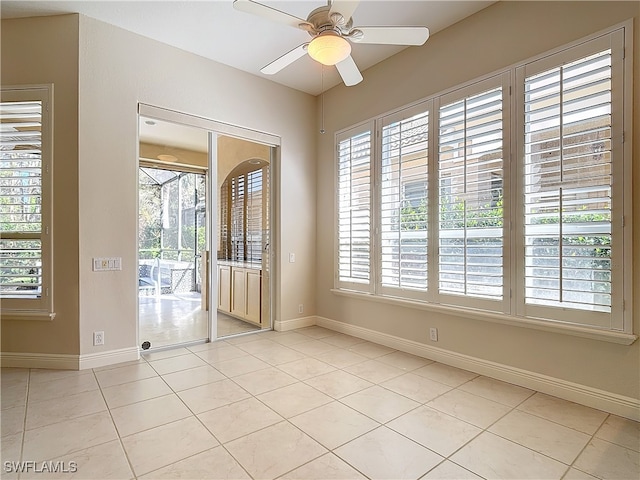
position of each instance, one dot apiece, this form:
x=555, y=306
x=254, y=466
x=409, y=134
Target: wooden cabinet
x=240, y=292
x=253, y=290
x=224, y=288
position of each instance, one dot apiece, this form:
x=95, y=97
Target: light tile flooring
x=172, y=318
x=304, y=404
x=228, y=325
x=178, y=318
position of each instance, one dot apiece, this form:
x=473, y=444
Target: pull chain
x=322, y=99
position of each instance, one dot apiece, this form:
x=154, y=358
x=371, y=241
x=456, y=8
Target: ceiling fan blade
x=344, y=7
x=285, y=60
x=392, y=35
x=264, y=11
x=349, y=72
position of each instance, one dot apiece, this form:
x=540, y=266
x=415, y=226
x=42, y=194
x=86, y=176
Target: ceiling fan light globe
x=329, y=49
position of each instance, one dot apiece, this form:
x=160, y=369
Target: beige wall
x=101, y=73
x=233, y=151
x=118, y=69
x=39, y=51
x=499, y=36
x=96, y=177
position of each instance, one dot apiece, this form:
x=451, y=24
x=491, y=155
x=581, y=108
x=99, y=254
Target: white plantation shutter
x=242, y=208
x=354, y=210
x=254, y=216
x=440, y=209
x=25, y=257
x=471, y=181
x=568, y=179
x=238, y=217
x=403, y=201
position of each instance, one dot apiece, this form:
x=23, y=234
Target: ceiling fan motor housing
x=322, y=21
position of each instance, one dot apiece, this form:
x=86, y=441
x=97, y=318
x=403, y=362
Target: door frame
x=216, y=128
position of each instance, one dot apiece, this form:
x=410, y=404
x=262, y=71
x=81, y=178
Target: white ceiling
x=215, y=30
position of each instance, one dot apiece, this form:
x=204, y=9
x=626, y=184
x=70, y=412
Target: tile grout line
x=482, y=431
x=220, y=444
x=591, y=438
x=26, y=409
x=115, y=427
x=286, y=419
x=331, y=451
x=379, y=424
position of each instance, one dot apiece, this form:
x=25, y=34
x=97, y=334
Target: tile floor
x=303, y=404
x=178, y=318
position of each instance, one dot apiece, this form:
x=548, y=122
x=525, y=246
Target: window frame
x=37, y=308
x=621, y=308
x=503, y=81
x=368, y=286
x=511, y=311
x=380, y=125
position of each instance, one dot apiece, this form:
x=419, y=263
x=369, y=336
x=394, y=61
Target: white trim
x=292, y=324
x=495, y=317
x=12, y=308
x=110, y=357
x=28, y=315
x=209, y=124
x=609, y=402
x=616, y=327
x=57, y=361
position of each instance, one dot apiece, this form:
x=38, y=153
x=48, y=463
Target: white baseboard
x=68, y=362
x=284, y=325
x=55, y=361
x=592, y=397
x=110, y=357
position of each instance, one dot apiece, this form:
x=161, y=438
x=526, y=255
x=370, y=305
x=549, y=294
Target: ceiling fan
x=331, y=28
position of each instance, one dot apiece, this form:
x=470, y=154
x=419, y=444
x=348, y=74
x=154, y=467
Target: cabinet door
x=238, y=292
x=254, y=295
x=224, y=288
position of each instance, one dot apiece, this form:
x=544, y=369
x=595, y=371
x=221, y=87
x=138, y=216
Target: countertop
x=239, y=264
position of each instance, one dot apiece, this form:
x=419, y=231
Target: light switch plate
x=104, y=264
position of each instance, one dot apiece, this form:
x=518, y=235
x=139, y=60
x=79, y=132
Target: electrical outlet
x=292, y=258
x=98, y=338
x=300, y=308
x=433, y=334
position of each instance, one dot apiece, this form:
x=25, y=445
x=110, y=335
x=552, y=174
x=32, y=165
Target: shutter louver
x=238, y=192
x=354, y=209
x=567, y=181
x=470, y=179
x=21, y=199
x=254, y=216
x=403, y=204
x=242, y=217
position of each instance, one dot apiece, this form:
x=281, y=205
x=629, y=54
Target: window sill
x=27, y=315
x=565, y=329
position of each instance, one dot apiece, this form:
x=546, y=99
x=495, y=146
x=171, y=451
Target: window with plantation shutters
x=25, y=164
x=509, y=195
x=470, y=178
x=241, y=210
x=404, y=201
x=254, y=216
x=354, y=269
x=238, y=217
x=568, y=179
